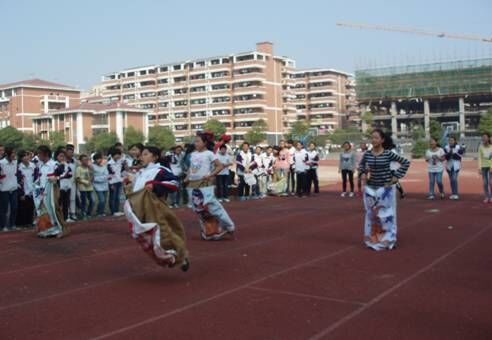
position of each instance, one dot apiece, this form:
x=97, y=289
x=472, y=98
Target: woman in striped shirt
x=379, y=193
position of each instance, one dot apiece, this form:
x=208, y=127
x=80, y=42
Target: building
x=454, y=93
x=81, y=122
x=236, y=89
x=22, y=101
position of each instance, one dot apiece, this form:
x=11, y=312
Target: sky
x=76, y=42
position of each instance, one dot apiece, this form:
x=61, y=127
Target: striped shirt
x=379, y=170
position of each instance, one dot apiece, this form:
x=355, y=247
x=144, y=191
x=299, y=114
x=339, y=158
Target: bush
x=419, y=148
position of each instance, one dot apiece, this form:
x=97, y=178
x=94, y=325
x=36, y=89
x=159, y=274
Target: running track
x=297, y=270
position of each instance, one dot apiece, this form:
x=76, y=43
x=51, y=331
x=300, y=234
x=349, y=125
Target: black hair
x=58, y=152
x=114, y=151
x=208, y=138
x=246, y=143
x=70, y=147
x=290, y=141
x=97, y=156
x=154, y=150
x=82, y=156
x=45, y=150
x=139, y=146
x=223, y=146
x=347, y=143
x=189, y=148
x=21, y=154
x=487, y=134
x=312, y=143
x=117, y=144
x=387, y=140
x=9, y=151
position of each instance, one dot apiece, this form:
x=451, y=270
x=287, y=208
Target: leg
x=351, y=180
x=316, y=181
x=117, y=197
x=299, y=184
x=72, y=200
x=240, y=189
x=91, y=203
x=4, y=205
x=439, y=182
x=111, y=199
x=432, y=179
x=219, y=187
x=293, y=179
x=13, y=208
x=485, y=182
x=344, y=180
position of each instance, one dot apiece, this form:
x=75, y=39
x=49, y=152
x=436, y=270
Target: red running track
x=297, y=270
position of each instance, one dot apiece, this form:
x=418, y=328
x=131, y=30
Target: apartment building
x=83, y=121
x=22, y=101
x=236, y=89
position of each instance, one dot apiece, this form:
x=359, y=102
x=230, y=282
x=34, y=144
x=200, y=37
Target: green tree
x=11, y=137
x=367, y=117
x=188, y=139
x=101, y=142
x=30, y=141
x=215, y=126
x=351, y=134
x=132, y=136
x=162, y=137
x=419, y=148
x=298, y=130
x=485, y=124
x=418, y=132
x=56, y=139
x=257, y=133
x=436, y=129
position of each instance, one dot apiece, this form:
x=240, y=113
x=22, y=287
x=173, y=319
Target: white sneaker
x=343, y=194
x=227, y=200
x=118, y=214
x=351, y=194
x=69, y=220
x=431, y=197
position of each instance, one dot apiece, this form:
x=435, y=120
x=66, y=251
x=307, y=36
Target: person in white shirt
x=435, y=157
x=176, y=165
x=72, y=164
x=312, y=173
x=100, y=182
x=214, y=221
x=291, y=180
x=116, y=167
x=301, y=159
x=454, y=154
x=260, y=188
x=268, y=160
x=244, y=166
x=64, y=172
x=223, y=176
x=8, y=190
x=49, y=220
x=26, y=188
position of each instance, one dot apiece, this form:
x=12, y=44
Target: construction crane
x=416, y=31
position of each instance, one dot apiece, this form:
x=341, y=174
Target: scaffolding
x=440, y=79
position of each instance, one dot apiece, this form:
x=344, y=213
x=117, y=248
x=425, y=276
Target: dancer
x=485, y=166
x=380, y=226
x=152, y=222
x=49, y=222
x=214, y=221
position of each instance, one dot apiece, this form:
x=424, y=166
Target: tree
x=31, y=142
x=132, y=136
x=485, y=124
x=162, y=137
x=101, y=142
x=351, y=134
x=298, y=130
x=56, y=139
x=367, y=117
x=436, y=129
x=11, y=137
x=418, y=132
x=257, y=133
x=419, y=148
x=188, y=139
x=215, y=126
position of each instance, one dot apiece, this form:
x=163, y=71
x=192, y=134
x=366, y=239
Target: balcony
x=4, y=100
x=54, y=99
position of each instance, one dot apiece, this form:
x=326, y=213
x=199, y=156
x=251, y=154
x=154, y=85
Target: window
x=221, y=99
x=259, y=57
x=300, y=86
x=243, y=124
x=198, y=101
x=163, y=69
x=147, y=94
x=247, y=84
x=163, y=104
x=163, y=116
x=112, y=87
x=179, y=115
x=97, y=131
x=179, y=79
x=147, y=83
x=248, y=110
x=215, y=62
x=181, y=103
x=300, y=107
x=321, y=84
x=225, y=60
x=297, y=75
x=129, y=85
x=183, y=90
x=177, y=67
x=100, y=119
x=152, y=71
x=245, y=57
x=129, y=96
x=216, y=87
x=152, y=118
x=200, y=63
x=197, y=126
x=320, y=105
x=220, y=74
x=221, y=112
x=198, y=89
x=319, y=95
x=143, y=73
x=181, y=127
x=163, y=93
x=248, y=70
x=248, y=97
x=300, y=96
x=197, y=76
x=162, y=81
x=199, y=114
x=131, y=74
x=148, y=106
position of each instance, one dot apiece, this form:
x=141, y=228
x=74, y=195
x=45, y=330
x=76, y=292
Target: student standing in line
x=312, y=173
x=84, y=177
x=100, y=183
x=346, y=168
x=485, y=166
x=454, y=154
x=301, y=159
x=25, y=177
x=435, y=158
x=8, y=190
x=223, y=176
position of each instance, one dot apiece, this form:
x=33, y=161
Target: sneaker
x=220, y=200
x=69, y=220
x=186, y=265
x=351, y=194
x=118, y=214
x=451, y=197
x=485, y=201
x=72, y=217
x=431, y=197
x=5, y=230
x=343, y=194
x=227, y=200
x=403, y=195
x=242, y=199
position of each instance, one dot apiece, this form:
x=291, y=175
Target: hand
x=394, y=180
x=52, y=179
x=149, y=187
x=207, y=177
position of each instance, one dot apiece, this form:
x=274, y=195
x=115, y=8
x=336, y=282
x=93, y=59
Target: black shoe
x=185, y=266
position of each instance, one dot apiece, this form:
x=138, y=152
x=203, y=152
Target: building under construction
x=455, y=93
